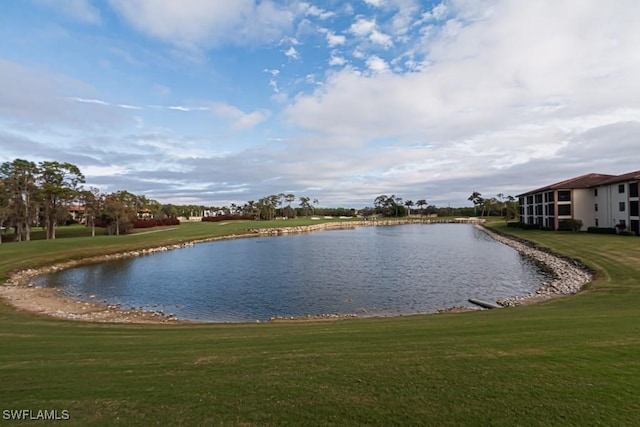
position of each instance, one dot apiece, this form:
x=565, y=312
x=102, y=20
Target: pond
x=367, y=271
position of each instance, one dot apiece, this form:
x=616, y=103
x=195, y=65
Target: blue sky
x=219, y=102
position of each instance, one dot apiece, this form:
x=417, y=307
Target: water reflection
x=366, y=271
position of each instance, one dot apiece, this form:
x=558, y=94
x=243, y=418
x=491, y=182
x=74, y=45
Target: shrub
x=627, y=233
x=601, y=230
x=570, y=225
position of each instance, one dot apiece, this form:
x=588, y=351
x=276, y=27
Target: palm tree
x=290, y=198
x=408, y=204
x=396, y=201
x=477, y=200
x=380, y=203
x=280, y=202
x=421, y=204
x=304, y=204
x=249, y=208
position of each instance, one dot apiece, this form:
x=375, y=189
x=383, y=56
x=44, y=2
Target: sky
x=217, y=102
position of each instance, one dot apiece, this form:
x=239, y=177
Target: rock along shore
x=569, y=277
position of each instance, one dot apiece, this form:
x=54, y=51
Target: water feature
x=368, y=271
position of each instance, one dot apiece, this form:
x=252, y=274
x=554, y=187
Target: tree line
x=395, y=206
x=501, y=205
x=33, y=193
x=42, y=194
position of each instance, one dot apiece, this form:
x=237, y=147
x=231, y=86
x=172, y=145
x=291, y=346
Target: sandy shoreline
x=18, y=291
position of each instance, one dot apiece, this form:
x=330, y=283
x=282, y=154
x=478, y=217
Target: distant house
x=76, y=212
x=597, y=200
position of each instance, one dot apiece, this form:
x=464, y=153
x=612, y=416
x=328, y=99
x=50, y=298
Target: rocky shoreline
x=569, y=278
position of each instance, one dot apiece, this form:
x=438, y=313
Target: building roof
x=631, y=176
x=584, y=181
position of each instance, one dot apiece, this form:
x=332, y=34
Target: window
x=595, y=192
x=564, y=210
x=596, y=207
x=633, y=189
x=622, y=206
x=633, y=208
x=564, y=196
x=538, y=198
x=529, y=200
x=597, y=224
x=621, y=188
x=552, y=210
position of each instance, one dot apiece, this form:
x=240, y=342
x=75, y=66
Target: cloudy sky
x=214, y=102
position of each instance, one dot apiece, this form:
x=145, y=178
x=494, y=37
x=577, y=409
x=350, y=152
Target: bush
x=601, y=230
x=570, y=225
x=627, y=233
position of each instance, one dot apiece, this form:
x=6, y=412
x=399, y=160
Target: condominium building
x=597, y=200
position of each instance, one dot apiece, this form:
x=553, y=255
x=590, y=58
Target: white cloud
x=358, y=54
x=496, y=90
x=312, y=10
x=493, y=95
x=274, y=72
x=334, y=40
x=336, y=60
x=129, y=107
x=377, y=64
x=380, y=38
x=291, y=53
x=89, y=101
x=362, y=27
x=437, y=13
x=196, y=24
x=365, y=28
x=103, y=170
x=239, y=119
x=374, y=3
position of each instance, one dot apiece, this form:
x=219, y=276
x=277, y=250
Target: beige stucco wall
x=584, y=206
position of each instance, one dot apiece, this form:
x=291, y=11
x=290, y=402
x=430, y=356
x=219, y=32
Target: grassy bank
x=571, y=361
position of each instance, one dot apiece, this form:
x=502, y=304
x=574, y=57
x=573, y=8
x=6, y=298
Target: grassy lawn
x=570, y=361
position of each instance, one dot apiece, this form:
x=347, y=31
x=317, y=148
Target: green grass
x=571, y=361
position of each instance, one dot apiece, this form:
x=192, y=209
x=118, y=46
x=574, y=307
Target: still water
x=368, y=271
